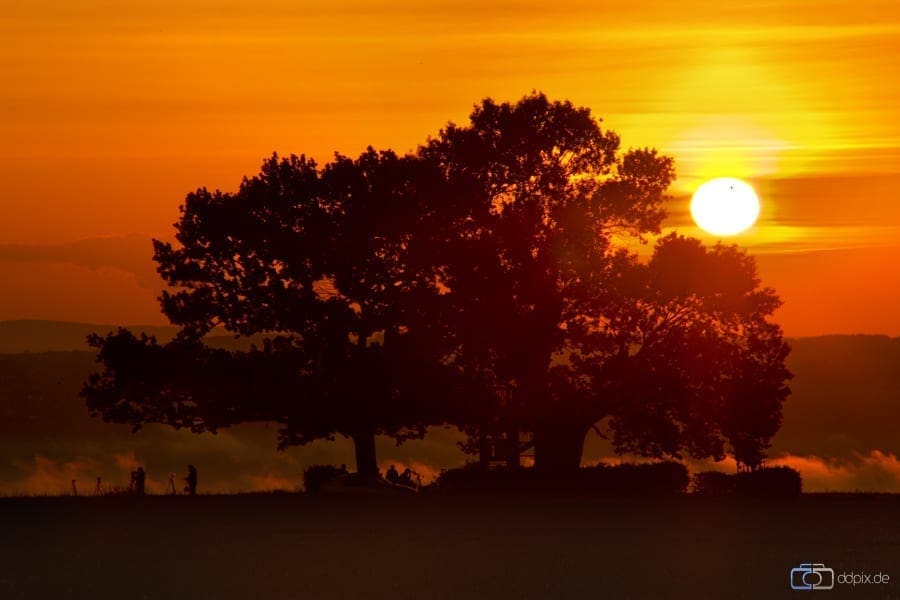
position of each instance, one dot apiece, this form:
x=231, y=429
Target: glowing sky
x=111, y=111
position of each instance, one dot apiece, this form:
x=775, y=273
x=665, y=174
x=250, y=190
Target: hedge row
x=768, y=481
x=657, y=478
x=650, y=478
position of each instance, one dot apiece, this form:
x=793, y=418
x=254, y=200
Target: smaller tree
x=683, y=359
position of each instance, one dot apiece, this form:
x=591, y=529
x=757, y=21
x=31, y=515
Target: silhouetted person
x=392, y=475
x=140, y=478
x=191, y=481
x=132, y=485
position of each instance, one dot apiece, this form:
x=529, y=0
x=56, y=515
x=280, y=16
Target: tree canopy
x=494, y=280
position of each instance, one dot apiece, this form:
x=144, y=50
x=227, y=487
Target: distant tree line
x=490, y=280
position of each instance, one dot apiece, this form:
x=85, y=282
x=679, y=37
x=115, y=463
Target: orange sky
x=111, y=111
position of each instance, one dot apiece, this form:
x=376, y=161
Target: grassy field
x=291, y=546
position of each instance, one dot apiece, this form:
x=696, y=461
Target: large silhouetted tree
x=491, y=280
x=537, y=192
x=538, y=202
x=325, y=259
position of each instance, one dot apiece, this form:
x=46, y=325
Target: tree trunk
x=484, y=450
x=364, y=448
x=558, y=447
x=364, y=440
x=512, y=449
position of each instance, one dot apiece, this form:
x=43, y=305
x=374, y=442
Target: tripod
x=170, y=489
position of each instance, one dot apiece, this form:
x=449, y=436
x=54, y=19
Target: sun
x=725, y=206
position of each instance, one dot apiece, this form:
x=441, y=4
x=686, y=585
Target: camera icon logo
x=812, y=576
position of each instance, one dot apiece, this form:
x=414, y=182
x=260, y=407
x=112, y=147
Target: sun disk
x=725, y=206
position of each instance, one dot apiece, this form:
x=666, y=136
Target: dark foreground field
x=287, y=546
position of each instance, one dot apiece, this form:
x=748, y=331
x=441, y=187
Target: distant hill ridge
x=63, y=336
x=33, y=335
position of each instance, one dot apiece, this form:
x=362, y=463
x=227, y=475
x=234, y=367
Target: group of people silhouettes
x=405, y=478
x=139, y=479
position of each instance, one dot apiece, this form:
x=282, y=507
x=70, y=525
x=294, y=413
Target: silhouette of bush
x=650, y=479
x=769, y=481
x=473, y=478
x=714, y=483
x=316, y=475
x=657, y=478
